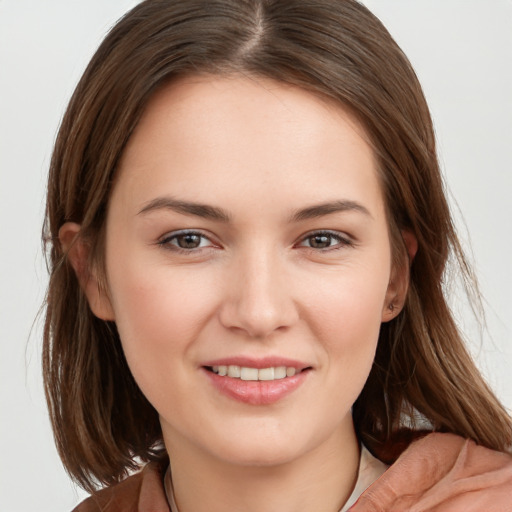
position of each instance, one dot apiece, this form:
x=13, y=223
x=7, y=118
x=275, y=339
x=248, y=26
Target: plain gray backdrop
x=462, y=52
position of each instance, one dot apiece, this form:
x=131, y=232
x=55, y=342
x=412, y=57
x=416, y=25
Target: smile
x=252, y=374
x=259, y=383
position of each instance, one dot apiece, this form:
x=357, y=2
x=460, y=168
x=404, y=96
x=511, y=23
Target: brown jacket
x=439, y=473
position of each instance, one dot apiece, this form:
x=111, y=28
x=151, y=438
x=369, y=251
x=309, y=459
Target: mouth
x=247, y=373
x=257, y=382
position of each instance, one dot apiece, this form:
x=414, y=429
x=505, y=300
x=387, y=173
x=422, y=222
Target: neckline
x=369, y=470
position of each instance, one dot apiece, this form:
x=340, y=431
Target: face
x=247, y=235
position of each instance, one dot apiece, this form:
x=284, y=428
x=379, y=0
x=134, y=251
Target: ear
x=76, y=249
x=399, y=281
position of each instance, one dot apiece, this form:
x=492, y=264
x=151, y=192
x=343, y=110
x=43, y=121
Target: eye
x=325, y=240
x=185, y=241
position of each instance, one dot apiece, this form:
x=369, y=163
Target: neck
x=321, y=479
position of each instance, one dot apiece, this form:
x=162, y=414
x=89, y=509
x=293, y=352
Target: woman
x=251, y=234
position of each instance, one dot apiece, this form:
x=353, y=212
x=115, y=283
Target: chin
x=261, y=455
x=260, y=446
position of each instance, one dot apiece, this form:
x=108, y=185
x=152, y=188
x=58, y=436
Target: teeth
x=234, y=371
x=247, y=373
x=266, y=374
x=280, y=372
x=290, y=372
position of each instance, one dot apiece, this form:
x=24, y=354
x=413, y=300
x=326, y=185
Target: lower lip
x=256, y=392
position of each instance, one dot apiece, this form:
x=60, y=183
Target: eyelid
x=344, y=240
x=165, y=240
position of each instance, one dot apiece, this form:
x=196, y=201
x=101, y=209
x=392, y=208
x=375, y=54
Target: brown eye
x=320, y=241
x=188, y=241
x=185, y=240
x=325, y=240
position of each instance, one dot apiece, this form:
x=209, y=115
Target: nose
x=259, y=298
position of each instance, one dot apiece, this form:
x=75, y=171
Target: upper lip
x=260, y=362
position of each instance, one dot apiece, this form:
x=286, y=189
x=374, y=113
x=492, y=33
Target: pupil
x=320, y=241
x=189, y=241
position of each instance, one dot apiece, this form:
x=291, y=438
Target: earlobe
x=393, y=305
x=399, y=282
x=77, y=250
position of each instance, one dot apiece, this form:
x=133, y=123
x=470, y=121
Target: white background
x=462, y=52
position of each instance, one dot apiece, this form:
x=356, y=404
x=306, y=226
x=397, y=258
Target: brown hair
x=103, y=424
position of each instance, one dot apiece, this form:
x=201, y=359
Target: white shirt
x=370, y=468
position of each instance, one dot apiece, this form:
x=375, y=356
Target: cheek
x=350, y=303
x=159, y=313
x=145, y=308
x=149, y=295
x=347, y=319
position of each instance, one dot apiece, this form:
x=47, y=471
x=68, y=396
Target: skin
x=258, y=284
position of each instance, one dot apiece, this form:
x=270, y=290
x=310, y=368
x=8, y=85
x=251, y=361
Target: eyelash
x=342, y=241
x=166, y=242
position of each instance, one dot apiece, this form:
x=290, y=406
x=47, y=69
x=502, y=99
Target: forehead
x=215, y=133
x=225, y=101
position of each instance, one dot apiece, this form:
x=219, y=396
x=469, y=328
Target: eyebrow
x=323, y=209
x=214, y=213
x=186, y=207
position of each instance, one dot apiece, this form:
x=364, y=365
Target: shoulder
x=443, y=470
x=142, y=492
